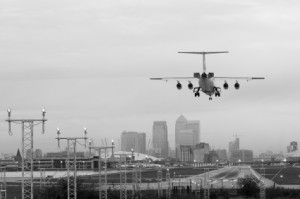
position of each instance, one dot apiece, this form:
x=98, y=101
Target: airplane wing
x=172, y=78
x=238, y=78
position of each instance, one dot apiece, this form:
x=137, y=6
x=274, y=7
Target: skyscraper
x=140, y=143
x=179, y=126
x=187, y=133
x=133, y=140
x=194, y=125
x=233, y=146
x=160, y=139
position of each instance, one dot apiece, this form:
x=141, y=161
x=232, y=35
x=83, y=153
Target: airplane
x=206, y=81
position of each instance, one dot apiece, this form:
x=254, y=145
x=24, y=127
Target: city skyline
x=89, y=65
x=118, y=140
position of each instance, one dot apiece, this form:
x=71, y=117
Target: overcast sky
x=89, y=63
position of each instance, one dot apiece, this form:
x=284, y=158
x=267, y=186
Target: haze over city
x=89, y=65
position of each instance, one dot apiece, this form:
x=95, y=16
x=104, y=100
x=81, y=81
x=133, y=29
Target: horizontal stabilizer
x=203, y=53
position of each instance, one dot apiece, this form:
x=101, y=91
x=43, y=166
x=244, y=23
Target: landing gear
x=217, y=94
x=210, y=98
x=196, y=91
x=218, y=91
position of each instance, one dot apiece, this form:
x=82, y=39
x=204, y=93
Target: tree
x=249, y=185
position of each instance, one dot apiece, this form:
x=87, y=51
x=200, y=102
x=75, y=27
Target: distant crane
x=237, y=135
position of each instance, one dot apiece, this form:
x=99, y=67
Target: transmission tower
x=159, y=179
x=138, y=180
x=134, y=179
x=123, y=177
x=102, y=180
x=2, y=183
x=168, y=179
x=27, y=145
x=71, y=161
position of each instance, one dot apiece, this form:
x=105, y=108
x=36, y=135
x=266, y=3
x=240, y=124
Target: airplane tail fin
x=204, y=53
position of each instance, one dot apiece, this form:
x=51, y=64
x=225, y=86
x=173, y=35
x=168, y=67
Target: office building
x=201, y=152
x=140, y=143
x=233, y=146
x=38, y=153
x=242, y=155
x=160, y=139
x=222, y=153
x=292, y=147
x=133, y=140
x=194, y=125
x=186, y=137
x=213, y=157
x=186, y=154
x=187, y=133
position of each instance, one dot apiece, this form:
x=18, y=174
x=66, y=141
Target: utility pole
x=71, y=162
x=27, y=145
x=102, y=181
x=42, y=178
x=2, y=183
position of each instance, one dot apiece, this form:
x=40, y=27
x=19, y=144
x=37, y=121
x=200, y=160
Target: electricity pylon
x=168, y=179
x=123, y=176
x=159, y=180
x=27, y=145
x=71, y=162
x=103, y=180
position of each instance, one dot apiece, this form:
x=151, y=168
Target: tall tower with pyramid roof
x=187, y=133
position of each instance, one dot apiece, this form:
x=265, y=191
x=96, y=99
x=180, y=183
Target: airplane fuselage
x=207, y=85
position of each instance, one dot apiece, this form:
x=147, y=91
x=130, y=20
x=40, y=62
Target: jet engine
x=178, y=85
x=236, y=85
x=190, y=86
x=225, y=86
x=203, y=75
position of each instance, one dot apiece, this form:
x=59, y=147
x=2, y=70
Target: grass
x=281, y=175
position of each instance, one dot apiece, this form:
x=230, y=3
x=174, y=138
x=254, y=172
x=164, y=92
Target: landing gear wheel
x=197, y=94
x=217, y=94
x=210, y=98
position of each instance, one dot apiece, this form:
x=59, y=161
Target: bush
x=249, y=186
